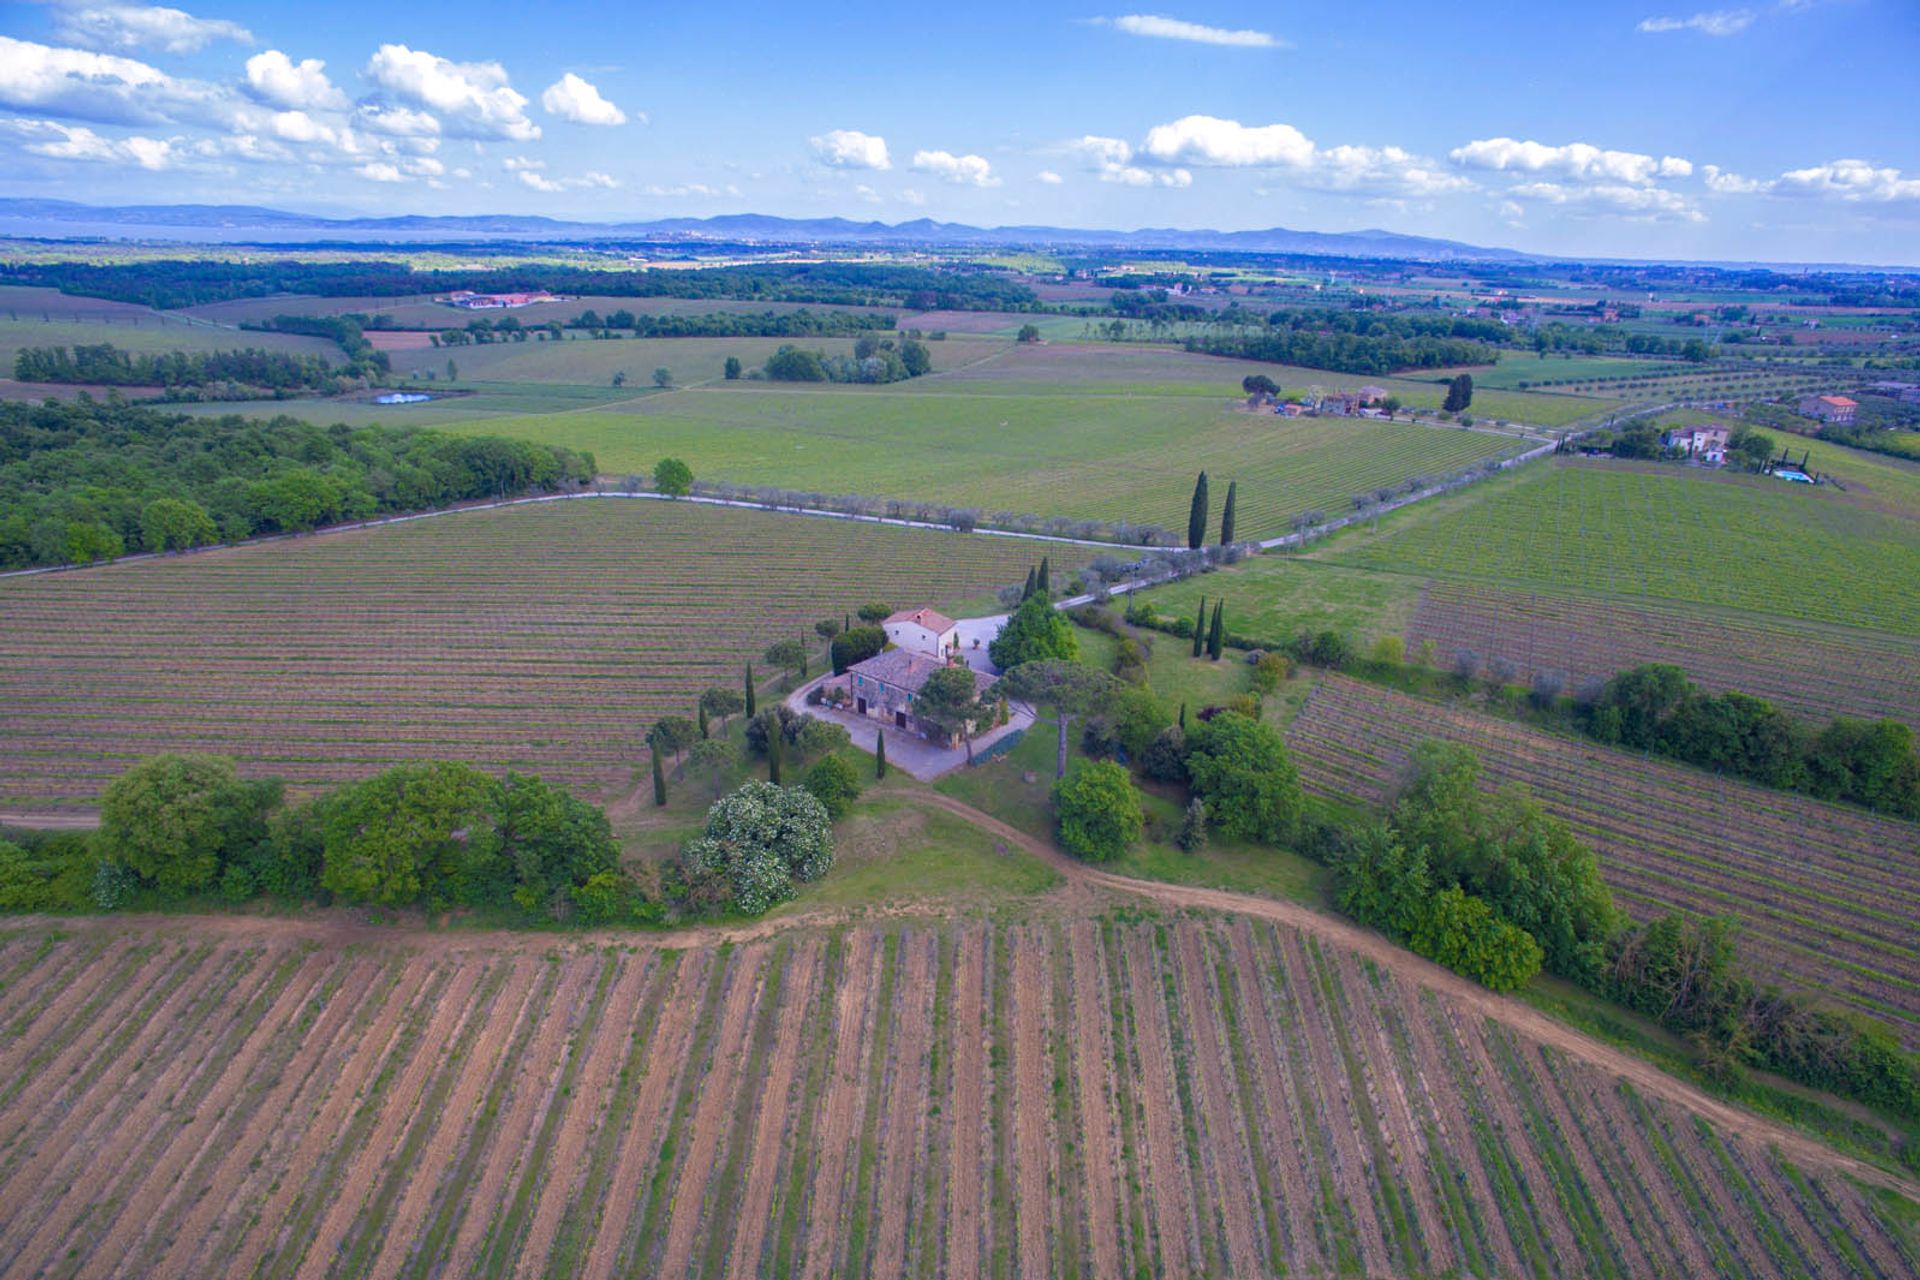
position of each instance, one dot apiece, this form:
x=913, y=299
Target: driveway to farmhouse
x=969, y=631
x=905, y=749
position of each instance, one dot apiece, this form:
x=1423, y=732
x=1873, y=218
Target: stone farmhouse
x=885, y=686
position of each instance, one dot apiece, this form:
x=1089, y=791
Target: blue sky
x=1765, y=130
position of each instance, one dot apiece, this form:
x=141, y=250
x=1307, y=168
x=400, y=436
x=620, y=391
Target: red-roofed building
x=1838, y=410
x=921, y=631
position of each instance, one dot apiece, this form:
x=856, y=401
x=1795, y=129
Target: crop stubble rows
x=1826, y=893
x=546, y=639
x=1213, y=1095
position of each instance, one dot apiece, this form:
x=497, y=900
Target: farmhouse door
x=900, y=719
x=862, y=706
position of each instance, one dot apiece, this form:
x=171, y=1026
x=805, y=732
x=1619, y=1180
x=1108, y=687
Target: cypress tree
x=773, y=755
x=749, y=684
x=1045, y=585
x=703, y=719
x=659, y=780
x=1197, y=517
x=1183, y=717
x=880, y=756
x=1200, y=628
x=1033, y=583
x=1226, y=515
x=1218, y=634
x=846, y=622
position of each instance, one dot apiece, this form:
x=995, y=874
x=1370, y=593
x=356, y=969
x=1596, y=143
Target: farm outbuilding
x=921, y=631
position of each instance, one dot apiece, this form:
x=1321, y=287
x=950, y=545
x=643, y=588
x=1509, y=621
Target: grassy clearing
x=1278, y=596
x=1670, y=534
x=891, y=850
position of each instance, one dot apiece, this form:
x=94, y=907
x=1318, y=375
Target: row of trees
x=800, y=323
x=250, y=374
x=170, y=283
x=874, y=360
x=90, y=480
x=1654, y=707
x=344, y=331
x=1344, y=352
x=1493, y=887
x=436, y=834
x=1197, y=514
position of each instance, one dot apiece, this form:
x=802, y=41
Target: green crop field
x=1275, y=597
x=1517, y=369
x=1099, y=368
x=48, y=318
x=1115, y=457
x=593, y=362
x=1751, y=543
x=421, y=311
x=545, y=638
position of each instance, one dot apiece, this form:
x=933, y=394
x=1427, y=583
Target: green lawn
x=1665, y=533
x=1000, y=787
x=1279, y=596
x=892, y=850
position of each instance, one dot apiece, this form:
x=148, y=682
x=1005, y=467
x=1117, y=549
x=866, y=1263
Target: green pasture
x=1867, y=479
x=1113, y=457
x=1274, y=596
x=588, y=361
x=1665, y=533
x=1516, y=368
x=420, y=311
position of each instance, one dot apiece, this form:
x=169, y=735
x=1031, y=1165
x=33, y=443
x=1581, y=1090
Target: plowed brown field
x=1200, y=1095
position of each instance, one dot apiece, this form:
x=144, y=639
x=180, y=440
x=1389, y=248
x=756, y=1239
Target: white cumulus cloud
x=963, y=171
x=1721, y=182
x=530, y=173
x=1855, y=181
x=571, y=98
x=1159, y=28
x=1209, y=140
x=1645, y=202
x=1718, y=22
x=472, y=99
x=100, y=87
x=1577, y=160
x=1216, y=143
x=380, y=171
x=1112, y=159
x=142, y=26
x=397, y=122
x=1049, y=177
x=851, y=149
x=77, y=142
x=279, y=81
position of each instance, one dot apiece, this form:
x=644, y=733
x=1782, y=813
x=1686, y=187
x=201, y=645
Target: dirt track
x=1081, y=881
x=1404, y=964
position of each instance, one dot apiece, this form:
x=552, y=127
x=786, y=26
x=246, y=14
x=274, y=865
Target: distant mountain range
x=743, y=228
